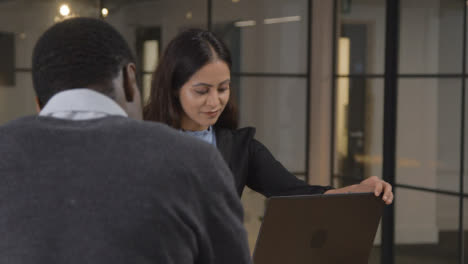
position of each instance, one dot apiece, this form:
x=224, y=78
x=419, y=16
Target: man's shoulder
x=13, y=128
x=185, y=150
x=162, y=131
x=18, y=121
x=136, y=135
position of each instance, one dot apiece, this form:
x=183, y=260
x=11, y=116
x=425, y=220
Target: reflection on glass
x=358, y=130
x=426, y=229
x=428, y=133
x=431, y=36
x=363, y=23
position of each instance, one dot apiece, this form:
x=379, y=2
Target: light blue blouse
x=205, y=135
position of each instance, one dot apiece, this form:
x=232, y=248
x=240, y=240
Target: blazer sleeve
x=268, y=177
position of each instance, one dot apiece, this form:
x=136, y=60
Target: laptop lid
x=325, y=229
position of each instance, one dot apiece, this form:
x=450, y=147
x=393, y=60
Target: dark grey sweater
x=114, y=190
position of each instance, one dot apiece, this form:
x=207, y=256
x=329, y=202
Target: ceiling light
x=282, y=20
x=64, y=10
x=104, y=12
x=246, y=23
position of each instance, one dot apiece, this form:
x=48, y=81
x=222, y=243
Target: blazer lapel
x=224, y=144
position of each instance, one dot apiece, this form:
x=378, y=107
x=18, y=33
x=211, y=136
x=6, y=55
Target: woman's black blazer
x=253, y=165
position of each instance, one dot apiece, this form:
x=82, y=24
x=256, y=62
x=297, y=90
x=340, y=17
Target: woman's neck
x=195, y=129
x=188, y=124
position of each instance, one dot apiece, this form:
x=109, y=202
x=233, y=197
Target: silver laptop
x=323, y=229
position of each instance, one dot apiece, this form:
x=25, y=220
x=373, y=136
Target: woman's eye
x=201, y=92
x=222, y=89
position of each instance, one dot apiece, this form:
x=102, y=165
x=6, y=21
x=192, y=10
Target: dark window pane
x=361, y=24
x=7, y=61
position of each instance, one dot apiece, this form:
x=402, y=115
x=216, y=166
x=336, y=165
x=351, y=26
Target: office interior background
x=338, y=91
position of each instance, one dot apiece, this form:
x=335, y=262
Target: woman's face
x=204, y=96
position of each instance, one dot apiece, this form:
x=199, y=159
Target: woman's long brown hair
x=187, y=53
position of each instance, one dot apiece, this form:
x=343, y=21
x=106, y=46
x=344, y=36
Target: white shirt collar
x=81, y=104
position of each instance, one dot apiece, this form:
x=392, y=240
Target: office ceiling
x=109, y=3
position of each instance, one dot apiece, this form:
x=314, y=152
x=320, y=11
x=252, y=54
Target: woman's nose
x=212, y=99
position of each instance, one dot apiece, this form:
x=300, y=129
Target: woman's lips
x=211, y=113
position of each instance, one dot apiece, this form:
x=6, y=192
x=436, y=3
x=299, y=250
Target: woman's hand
x=371, y=184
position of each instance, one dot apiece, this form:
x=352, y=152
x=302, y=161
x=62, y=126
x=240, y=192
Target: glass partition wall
x=423, y=62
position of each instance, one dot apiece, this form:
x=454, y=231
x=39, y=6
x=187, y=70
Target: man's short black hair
x=76, y=53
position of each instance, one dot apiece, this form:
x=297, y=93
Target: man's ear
x=38, y=104
x=130, y=83
x=132, y=94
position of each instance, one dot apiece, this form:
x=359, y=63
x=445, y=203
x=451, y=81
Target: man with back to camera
x=82, y=183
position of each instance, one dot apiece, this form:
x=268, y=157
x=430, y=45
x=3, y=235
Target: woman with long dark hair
x=191, y=92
